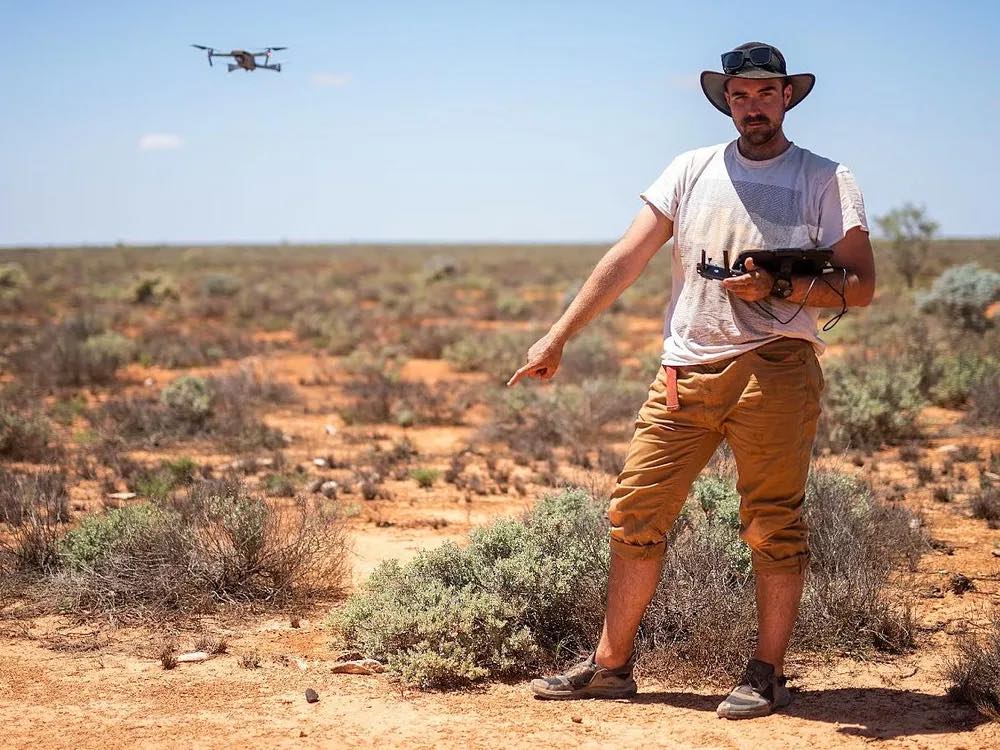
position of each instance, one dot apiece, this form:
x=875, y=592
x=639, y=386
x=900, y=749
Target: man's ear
x=787, y=94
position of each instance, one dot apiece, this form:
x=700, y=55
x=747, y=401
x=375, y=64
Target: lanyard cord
x=839, y=292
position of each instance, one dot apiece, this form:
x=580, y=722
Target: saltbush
x=961, y=294
x=975, y=670
x=868, y=403
x=527, y=593
x=217, y=543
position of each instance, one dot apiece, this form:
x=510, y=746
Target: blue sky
x=503, y=121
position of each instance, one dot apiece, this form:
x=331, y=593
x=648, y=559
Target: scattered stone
x=330, y=429
x=149, y=382
x=265, y=462
x=577, y=719
x=122, y=495
x=193, y=657
x=329, y=489
x=932, y=592
x=960, y=584
x=357, y=666
x=996, y=552
x=321, y=462
x=311, y=695
x=950, y=448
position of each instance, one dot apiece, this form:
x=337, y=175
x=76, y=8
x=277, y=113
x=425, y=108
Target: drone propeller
x=210, y=51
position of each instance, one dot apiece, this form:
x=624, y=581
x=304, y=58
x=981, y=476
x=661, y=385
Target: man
x=737, y=364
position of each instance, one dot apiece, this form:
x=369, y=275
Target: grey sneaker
x=588, y=680
x=758, y=693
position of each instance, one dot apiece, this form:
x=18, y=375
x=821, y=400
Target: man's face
x=758, y=106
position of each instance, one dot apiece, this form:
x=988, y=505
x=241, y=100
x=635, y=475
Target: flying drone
x=244, y=59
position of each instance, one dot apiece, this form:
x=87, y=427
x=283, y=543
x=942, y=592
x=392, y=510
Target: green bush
x=153, y=289
x=189, y=399
x=526, y=593
x=868, y=403
x=590, y=355
x=221, y=285
x=23, y=437
x=453, y=616
x=13, y=281
x=99, y=539
x=425, y=477
x=961, y=294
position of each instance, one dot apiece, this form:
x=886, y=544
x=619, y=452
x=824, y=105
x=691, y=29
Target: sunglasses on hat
x=760, y=57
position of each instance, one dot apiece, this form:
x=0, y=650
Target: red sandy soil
x=73, y=685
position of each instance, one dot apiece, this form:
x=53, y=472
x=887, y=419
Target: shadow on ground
x=876, y=713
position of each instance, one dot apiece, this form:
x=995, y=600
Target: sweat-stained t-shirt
x=719, y=200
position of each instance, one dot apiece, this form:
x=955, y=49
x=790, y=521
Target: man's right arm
x=614, y=273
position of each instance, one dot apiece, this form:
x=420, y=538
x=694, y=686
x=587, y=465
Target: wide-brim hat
x=713, y=83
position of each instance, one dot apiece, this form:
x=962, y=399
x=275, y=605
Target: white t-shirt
x=720, y=200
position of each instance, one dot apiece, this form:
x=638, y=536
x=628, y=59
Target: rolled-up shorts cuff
x=654, y=551
x=789, y=565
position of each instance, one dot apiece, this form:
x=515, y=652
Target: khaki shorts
x=765, y=403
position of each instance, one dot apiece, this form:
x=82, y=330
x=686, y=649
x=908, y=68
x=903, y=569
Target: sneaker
x=588, y=679
x=758, y=693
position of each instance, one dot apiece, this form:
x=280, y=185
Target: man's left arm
x=853, y=253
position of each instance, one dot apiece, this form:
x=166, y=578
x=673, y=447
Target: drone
x=244, y=59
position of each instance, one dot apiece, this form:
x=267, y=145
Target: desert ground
x=86, y=675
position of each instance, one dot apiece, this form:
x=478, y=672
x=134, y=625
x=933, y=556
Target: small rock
x=302, y=733
x=577, y=719
x=301, y=664
x=932, y=592
x=914, y=523
x=314, y=485
x=330, y=429
x=149, y=382
x=311, y=695
x=265, y=462
x=329, y=489
x=992, y=476
x=950, y=448
x=193, y=657
x=357, y=666
x=122, y=495
x=960, y=584
x=996, y=552
x=321, y=462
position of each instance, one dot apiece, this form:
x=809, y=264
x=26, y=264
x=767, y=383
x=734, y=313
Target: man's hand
x=542, y=360
x=751, y=286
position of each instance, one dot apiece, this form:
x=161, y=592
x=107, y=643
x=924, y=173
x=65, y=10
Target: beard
x=758, y=136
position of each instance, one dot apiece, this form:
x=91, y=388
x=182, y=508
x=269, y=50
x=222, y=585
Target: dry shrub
x=218, y=543
x=986, y=505
x=24, y=436
x=77, y=351
x=525, y=594
x=534, y=419
x=34, y=507
x=172, y=347
x=215, y=407
x=975, y=670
